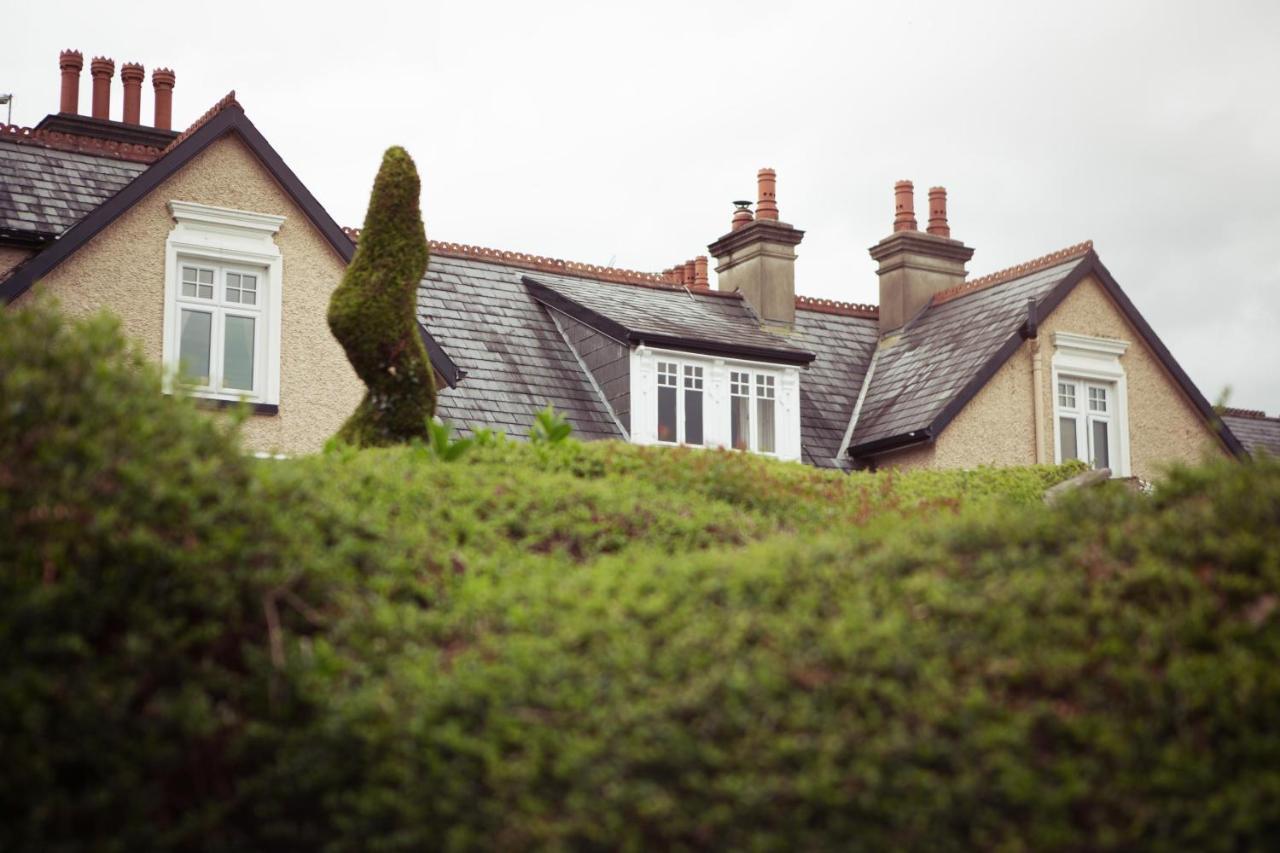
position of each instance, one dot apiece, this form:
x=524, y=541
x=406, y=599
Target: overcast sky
x=605, y=133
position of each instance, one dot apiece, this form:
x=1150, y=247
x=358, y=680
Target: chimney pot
x=700, y=278
x=938, y=212
x=904, y=216
x=162, y=80
x=690, y=273
x=71, y=62
x=742, y=216
x=767, y=204
x=131, y=76
x=102, y=70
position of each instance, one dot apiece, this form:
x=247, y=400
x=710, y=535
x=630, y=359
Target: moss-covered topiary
x=372, y=313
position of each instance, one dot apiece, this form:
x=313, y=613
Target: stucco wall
x=122, y=269
x=997, y=427
x=10, y=257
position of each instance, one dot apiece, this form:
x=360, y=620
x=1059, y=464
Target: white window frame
x=716, y=399
x=1085, y=361
x=683, y=377
x=241, y=241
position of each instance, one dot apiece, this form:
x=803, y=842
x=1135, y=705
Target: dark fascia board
x=1089, y=264
x=231, y=119
x=619, y=332
x=440, y=360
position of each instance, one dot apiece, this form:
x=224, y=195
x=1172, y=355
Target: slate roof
x=924, y=367
x=697, y=320
x=829, y=387
x=514, y=360
x=1256, y=431
x=46, y=190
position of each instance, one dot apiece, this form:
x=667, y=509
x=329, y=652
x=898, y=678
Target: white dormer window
x=687, y=398
x=222, y=302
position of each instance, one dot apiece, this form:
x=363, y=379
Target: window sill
x=217, y=404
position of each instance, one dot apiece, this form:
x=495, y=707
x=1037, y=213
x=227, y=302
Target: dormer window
x=685, y=398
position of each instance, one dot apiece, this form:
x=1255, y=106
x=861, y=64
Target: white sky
x=604, y=133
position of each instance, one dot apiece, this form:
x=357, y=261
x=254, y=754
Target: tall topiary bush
x=372, y=313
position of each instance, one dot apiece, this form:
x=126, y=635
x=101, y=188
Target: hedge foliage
x=601, y=646
x=373, y=312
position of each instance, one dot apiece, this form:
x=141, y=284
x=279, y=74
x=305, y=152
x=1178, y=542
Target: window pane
x=1067, y=395
x=237, y=354
x=188, y=281
x=764, y=415
x=193, y=344
x=205, y=291
x=667, y=413
x=1067, y=438
x=692, y=416
x=233, y=287
x=249, y=289
x=1097, y=399
x=206, y=276
x=740, y=418
x=1101, y=446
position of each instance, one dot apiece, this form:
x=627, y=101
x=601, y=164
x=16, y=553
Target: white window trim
x=716, y=431
x=1097, y=359
x=221, y=235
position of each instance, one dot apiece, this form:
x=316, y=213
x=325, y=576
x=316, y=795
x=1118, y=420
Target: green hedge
x=601, y=646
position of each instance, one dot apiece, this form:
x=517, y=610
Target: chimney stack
x=904, y=198
x=700, y=278
x=102, y=70
x=913, y=266
x=71, y=62
x=938, y=212
x=131, y=77
x=758, y=256
x=162, y=80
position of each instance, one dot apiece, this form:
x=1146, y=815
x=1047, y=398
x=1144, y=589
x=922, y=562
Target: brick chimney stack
x=913, y=266
x=162, y=80
x=131, y=76
x=71, y=62
x=938, y=212
x=758, y=256
x=102, y=70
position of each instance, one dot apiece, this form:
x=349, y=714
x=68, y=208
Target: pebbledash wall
x=997, y=427
x=122, y=269
x=10, y=257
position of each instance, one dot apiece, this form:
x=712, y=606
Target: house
x=206, y=245
x=1043, y=362
x=215, y=255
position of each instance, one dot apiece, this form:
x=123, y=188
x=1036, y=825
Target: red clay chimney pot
x=162, y=80
x=938, y=212
x=741, y=218
x=767, y=204
x=102, y=70
x=131, y=76
x=700, y=278
x=904, y=216
x=71, y=62
x=690, y=273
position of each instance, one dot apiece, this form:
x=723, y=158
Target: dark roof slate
x=1255, y=433
x=513, y=359
x=46, y=190
x=672, y=317
x=921, y=369
x=829, y=387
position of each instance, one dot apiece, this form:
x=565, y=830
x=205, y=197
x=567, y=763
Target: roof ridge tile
x=1015, y=271
x=835, y=306
x=227, y=100
x=80, y=144
x=1255, y=414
